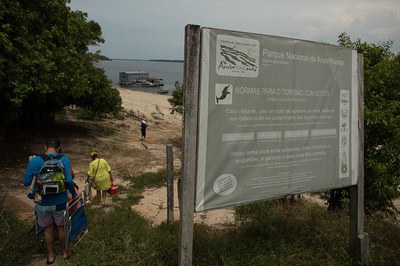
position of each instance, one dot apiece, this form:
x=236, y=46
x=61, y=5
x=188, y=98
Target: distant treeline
x=166, y=60
x=103, y=57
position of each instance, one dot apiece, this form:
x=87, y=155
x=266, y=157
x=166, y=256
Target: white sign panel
x=277, y=116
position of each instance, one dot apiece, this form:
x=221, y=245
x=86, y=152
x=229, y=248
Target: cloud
x=155, y=28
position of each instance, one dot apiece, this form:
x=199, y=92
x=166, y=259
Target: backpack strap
x=46, y=157
x=58, y=156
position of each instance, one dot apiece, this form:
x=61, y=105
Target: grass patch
x=149, y=180
x=119, y=238
x=123, y=237
x=266, y=233
x=18, y=243
x=157, y=114
x=134, y=115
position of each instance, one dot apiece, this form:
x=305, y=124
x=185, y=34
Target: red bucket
x=113, y=189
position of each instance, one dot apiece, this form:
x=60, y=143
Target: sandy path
x=125, y=152
x=153, y=205
x=123, y=149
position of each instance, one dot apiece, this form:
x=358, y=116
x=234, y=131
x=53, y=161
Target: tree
x=105, y=100
x=46, y=65
x=177, y=99
x=382, y=121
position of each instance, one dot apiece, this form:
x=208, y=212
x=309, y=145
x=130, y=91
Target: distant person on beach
x=50, y=209
x=100, y=176
x=143, y=126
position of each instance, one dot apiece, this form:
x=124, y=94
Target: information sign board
x=277, y=116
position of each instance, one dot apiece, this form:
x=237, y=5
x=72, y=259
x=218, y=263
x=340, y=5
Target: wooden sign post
x=193, y=62
x=190, y=98
x=358, y=238
x=170, y=184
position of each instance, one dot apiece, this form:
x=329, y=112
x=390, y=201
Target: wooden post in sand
x=170, y=185
x=190, y=99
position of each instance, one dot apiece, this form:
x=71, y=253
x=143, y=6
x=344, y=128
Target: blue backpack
x=51, y=178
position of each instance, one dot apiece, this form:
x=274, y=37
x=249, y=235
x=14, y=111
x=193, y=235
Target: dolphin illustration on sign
x=224, y=93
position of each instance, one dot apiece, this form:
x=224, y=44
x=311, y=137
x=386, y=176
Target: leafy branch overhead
x=381, y=122
x=45, y=63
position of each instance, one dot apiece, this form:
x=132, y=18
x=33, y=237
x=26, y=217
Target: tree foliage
x=381, y=121
x=177, y=99
x=45, y=64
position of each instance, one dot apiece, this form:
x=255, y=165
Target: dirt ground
x=118, y=141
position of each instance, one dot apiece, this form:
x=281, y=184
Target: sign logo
x=225, y=184
x=223, y=93
x=238, y=57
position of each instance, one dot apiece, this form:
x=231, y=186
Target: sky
x=154, y=29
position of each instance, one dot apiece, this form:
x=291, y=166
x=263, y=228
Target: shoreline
x=148, y=104
x=153, y=90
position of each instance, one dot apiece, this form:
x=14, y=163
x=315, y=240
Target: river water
x=168, y=71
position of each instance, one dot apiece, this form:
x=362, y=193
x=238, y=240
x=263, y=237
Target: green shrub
x=18, y=241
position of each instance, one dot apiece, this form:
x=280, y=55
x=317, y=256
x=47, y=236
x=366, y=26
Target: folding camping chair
x=75, y=222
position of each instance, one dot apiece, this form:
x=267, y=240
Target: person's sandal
x=67, y=257
x=51, y=262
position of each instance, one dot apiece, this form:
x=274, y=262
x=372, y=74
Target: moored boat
x=162, y=91
x=138, y=78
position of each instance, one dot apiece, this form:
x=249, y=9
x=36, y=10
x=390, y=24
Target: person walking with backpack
x=143, y=127
x=99, y=173
x=52, y=173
